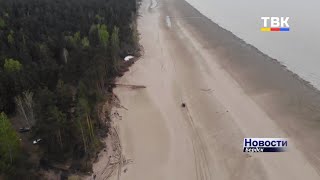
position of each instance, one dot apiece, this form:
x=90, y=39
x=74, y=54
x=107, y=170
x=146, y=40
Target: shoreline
x=249, y=94
x=251, y=46
x=294, y=100
x=280, y=46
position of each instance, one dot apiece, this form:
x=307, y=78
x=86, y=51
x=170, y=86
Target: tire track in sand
x=199, y=149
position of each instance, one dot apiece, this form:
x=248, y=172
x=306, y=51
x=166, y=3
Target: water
x=298, y=49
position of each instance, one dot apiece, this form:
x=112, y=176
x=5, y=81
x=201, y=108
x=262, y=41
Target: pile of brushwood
x=57, y=61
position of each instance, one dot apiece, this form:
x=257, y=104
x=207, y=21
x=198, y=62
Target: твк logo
x=277, y=24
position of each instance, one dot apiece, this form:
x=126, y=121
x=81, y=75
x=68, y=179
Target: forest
x=58, y=59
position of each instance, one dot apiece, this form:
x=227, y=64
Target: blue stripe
x=284, y=29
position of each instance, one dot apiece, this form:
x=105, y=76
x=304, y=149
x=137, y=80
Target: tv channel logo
x=251, y=145
x=275, y=24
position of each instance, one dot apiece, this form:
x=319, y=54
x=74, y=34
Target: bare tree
x=25, y=107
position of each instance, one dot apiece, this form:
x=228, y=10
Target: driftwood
x=117, y=161
x=129, y=86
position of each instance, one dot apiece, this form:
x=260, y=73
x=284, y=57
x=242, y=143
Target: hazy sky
x=299, y=49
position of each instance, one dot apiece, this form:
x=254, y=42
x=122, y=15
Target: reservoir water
x=298, y=49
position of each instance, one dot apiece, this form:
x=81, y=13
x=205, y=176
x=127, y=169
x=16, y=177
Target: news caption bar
x=275, y=29
x=252, y=145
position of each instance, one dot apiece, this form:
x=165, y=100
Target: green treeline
x=10, y=147
x=56, y=60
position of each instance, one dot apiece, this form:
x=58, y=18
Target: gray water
x=298, y=49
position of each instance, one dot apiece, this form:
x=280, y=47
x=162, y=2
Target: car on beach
x=24, y=129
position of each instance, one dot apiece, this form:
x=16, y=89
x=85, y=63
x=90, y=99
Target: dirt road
x=231, y=91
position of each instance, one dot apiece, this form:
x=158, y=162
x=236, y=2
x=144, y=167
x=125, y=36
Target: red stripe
x=275, y=29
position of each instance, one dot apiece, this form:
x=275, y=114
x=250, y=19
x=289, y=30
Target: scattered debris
x=116, y=103
x=116, y=116
x=124, y=107
x=206, y=89
x=128, y=58
x=248, y=156
x=117, y=162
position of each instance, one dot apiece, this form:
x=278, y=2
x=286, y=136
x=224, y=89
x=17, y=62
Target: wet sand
x=291, y=102
x=231, y=91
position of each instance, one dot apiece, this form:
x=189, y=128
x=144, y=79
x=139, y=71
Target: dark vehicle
x=24, y=129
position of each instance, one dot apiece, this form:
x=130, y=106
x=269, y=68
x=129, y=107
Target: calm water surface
x=298, y=49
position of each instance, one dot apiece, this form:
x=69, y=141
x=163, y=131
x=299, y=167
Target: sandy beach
x=231, y=91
